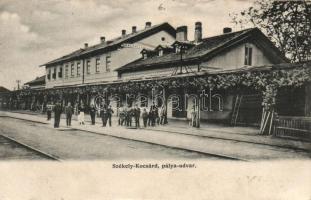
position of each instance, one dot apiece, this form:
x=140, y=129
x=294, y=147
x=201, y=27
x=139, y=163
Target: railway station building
x=237, y=78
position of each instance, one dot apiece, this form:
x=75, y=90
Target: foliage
x=286, y=23
x=266, y=81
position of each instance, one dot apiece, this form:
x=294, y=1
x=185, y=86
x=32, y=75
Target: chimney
x=148, y=25
x=227, y=30
x=123, y=33
x=134, y=29
x=198, y=32
x=181, y=33
x=86, y=45
x=102, y=39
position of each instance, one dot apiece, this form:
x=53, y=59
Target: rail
x=43, y=154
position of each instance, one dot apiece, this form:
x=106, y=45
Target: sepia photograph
x=214, y=94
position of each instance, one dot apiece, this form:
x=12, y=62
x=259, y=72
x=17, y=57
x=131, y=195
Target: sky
x=34, y=32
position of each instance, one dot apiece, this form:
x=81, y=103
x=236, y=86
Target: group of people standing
x=105, y=114
x=69, y=110
x=150, y=118
x=127, y=116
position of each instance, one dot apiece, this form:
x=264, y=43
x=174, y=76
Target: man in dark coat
x=57, y=113
x=109, y=114
x=156, y=115
x=127, y=115
x=122, y=116
x=69, y=112
x=145, y=117
x=150, y=117
x=103, y=115
x=49, y=111
x=93, y=113
x=153, y=113
x=137, y=116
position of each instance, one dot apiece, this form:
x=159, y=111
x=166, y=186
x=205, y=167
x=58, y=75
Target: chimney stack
x=86, y=45
x=198, y=32
x=227, y=30
x=148, y=25
x=102, y=39
x=123, y=33
x=182, y=33
x=134, y=29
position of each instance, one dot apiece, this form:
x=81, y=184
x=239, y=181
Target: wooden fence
x=292, y=127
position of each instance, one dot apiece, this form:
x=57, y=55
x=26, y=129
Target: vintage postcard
x=155, y=99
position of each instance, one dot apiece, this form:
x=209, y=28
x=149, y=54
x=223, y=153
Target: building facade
x=95, y=64
x=225, y=53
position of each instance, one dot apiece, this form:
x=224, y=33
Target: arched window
x=174, y=100
x=143, y=101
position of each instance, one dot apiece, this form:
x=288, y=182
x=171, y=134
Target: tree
x=286, y=23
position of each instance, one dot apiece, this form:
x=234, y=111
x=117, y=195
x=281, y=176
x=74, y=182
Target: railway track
x=21, y=150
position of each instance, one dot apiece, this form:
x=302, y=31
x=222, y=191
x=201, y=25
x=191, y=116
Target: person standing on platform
x=137, y=116
x=150, y=117
x=93, y=113
x=69, y=112
x=193, y=116
x=103, y=115
x=49, y=111
x=152, y=114
x=81, y=114
x=156, y=115
x=109, y=114
x=57, y=113
x=127, y=115
x=132, y=115
x=162, y=115
x=121, y=116
x=145, y=117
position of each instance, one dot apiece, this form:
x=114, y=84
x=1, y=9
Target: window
x=60, y=73
x=248, y=55
x=49, y=75
x=108, y=62
x=78, y=68
x=54, y=73
x=161, y=52
x=145, y=56
x=97, y=65
x=66, y=71
x=72, y=69
x=88, y=67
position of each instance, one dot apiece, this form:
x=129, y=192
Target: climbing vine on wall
x=268, y=82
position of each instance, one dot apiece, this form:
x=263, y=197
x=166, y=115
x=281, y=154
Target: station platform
x=235, y=142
